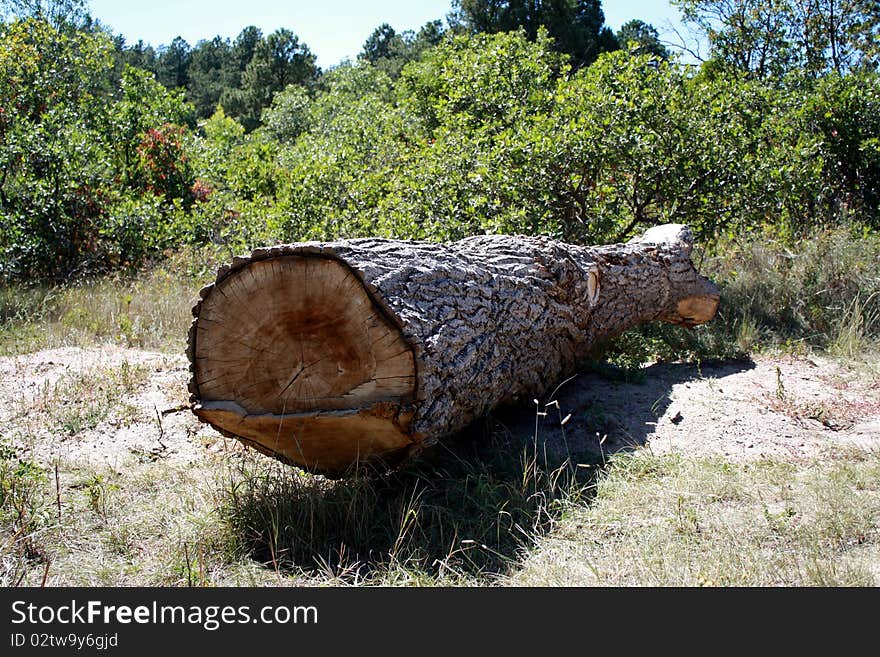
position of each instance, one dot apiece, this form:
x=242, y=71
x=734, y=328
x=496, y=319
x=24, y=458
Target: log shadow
x=612, y=410
x=474, y=506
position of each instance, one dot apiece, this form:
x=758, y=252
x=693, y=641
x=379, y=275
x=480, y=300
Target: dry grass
x=146, y=310
x=673, y=521
x=238, y=519
x=81, y=400
x=150, y=312
x=468, y=516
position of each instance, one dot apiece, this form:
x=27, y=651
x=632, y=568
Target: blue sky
x=333, y=30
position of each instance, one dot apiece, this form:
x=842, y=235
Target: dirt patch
x=107, y=406
x=112, y=406
x=789, y=408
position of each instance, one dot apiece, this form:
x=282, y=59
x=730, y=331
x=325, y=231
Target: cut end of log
x=295, y=355
x=694, y=311
x=696, y=302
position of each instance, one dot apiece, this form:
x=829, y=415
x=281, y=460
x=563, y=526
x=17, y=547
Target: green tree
x=140, y=55
x=337, y=169
x=172, y=65
x=222, y=135
x=768, y=38
x=241, y=53
x=469, y=167
x=289, y=115
x=481, y=80
x=750, y=36
x=71, y=175
x=278, y=61
x=209, y=74
x=390, y=51
x=642, y=38
x=836, y=35
x=577, y=26
x=243, y=48
x=57, y=13
x=381, y=44
x=430, y=34
x=838, y=122
x=142, y=104
x=53, y=175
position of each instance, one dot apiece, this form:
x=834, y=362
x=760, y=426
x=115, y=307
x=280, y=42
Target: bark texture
x=326, y=355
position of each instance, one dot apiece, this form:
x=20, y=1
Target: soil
x=769, y=407
x=152, y=423
x=790, y=408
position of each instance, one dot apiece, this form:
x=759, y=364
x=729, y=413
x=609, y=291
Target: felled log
x=336, y=354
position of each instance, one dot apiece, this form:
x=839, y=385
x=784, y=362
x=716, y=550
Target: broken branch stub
x=330, y=355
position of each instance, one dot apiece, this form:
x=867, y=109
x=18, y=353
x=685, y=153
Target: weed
x=859, y=321
x=25, y=512
x=98, y=490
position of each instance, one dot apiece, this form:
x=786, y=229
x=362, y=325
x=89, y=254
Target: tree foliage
x=768, y=38
x=60, y=14
x=242, y=75
x=642, y=38
x=390, y=51
x=435, y=135
x=576, y=26
x=69, y=147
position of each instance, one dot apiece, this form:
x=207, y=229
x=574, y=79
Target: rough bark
x=330, y=355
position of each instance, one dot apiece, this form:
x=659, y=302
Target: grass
x=239, y=519
x=116, y=529
x=24, y=516
x=147, y=310
x=80, y=401
x=472, y=514
x=645, y=520
x=675, y=521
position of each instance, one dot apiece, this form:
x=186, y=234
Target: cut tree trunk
x=332, y=355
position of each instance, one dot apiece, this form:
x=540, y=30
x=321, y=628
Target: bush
x=822, y=293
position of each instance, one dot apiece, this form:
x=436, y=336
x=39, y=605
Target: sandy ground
x=151, y=424
x=789, y=408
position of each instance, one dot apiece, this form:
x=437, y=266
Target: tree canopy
x=112, y=153
x=767, y=38
x=576, y=26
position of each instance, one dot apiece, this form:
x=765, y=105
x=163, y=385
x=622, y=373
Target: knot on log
x=329, y=355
